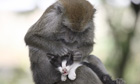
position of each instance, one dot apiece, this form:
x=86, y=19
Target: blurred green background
x=117, y=37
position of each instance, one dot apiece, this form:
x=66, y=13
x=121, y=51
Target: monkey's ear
x=94, y=10
x=59, y=8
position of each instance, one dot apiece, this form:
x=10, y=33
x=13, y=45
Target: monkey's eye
x=65, y=26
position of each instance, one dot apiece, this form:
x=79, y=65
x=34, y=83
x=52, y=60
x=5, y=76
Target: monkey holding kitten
x=66, y=25
x=67, y=67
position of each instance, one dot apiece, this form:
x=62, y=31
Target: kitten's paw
x=72, y=76
x=63, y=78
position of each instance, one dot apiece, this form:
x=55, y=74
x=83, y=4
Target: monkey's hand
x=85, y=49
x=46, y=44
x=56, y=48
x=77, y=55
x=106, y=79
x=62, y=51
x=119, y=81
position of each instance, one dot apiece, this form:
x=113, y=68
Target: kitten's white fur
x=70, y=70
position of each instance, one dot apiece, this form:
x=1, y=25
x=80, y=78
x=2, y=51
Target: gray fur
x=49, y=35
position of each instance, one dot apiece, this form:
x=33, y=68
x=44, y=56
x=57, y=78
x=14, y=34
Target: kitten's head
x=62, y=63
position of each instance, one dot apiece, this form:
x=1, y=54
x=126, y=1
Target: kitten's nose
x=64, y=70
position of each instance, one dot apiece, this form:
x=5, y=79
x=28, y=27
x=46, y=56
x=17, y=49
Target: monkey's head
x=77, y=15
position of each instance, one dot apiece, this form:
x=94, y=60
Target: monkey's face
x=79, y=26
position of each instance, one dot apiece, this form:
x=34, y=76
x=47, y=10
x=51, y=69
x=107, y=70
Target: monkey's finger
x=64, y=51
x=120, y=81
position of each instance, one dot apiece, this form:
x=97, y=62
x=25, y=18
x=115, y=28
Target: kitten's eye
x=55, y=62
x=69, y=62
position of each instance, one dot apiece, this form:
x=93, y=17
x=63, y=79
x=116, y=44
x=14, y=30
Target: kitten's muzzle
x=65, y=71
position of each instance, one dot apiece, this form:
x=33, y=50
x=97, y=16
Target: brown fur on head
x=78, y=12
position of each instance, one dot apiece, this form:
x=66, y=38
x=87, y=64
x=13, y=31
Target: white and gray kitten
x=65, y=65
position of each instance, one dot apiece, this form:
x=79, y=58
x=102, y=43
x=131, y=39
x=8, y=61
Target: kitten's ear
x=71, y=56
x=51, y=56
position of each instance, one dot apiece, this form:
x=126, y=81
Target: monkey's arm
x=86, y=76
x=42, y=34
x=98, y=67
x=45, y=43
x=85, y=49
x=86, y=43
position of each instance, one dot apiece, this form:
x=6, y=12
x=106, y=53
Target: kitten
x=67, y=67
